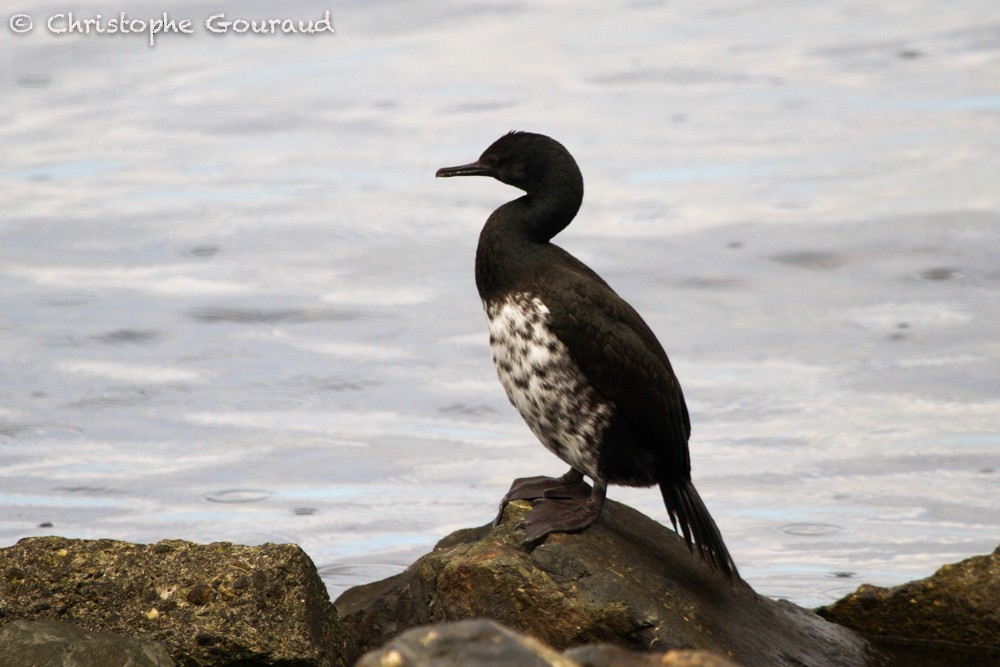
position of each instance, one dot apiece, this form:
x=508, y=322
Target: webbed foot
x=563, y=515
x=570, y=485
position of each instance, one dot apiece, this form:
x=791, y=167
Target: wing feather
x=626, y=365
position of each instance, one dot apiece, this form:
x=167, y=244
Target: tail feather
x=689, y=514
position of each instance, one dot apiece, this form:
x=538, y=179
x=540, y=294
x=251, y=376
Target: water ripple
x=341, y=576
x=270, y=316
x=134, y=395
x=809, y=529
x=68, y=299
x=265, y=402
x=809, y=259
x=39, y=431
x=238, y=496
x=127, y=336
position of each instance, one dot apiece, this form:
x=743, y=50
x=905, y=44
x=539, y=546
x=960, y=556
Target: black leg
x=570, y=485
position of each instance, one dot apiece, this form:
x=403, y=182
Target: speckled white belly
x=543, y=382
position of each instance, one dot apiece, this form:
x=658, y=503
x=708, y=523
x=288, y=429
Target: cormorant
x=581, y=366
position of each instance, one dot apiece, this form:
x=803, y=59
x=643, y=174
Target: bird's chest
x=544, y=383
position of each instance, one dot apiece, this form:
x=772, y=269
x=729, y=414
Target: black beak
x=471, y=169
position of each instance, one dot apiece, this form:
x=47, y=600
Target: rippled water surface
x=237, y=306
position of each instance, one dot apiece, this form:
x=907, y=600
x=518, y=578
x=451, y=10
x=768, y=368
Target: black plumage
x=584, y=370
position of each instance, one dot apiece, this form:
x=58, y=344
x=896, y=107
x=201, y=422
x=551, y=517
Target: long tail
x=687, y=511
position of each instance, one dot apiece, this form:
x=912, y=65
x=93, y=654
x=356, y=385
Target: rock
x=479, y=642
x=958, y=604
x=627, y=580
x=57, y=644
x=210, y=604
x=486, y=643
x=609, y=655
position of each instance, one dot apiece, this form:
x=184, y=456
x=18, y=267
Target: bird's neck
x=515, y=240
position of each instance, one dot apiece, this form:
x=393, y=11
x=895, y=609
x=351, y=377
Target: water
x=237, y=306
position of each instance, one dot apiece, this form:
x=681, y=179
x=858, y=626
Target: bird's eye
x=490, y=160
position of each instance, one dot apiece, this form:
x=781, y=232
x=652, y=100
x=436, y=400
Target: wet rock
x=609, y=655
x=486, y=643
x=627, y=580
x=479, y=642
x=959, y=604
x=41, y=643
x=210, y=604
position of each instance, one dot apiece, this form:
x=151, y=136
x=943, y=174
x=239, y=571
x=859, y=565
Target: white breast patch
x=544, y=383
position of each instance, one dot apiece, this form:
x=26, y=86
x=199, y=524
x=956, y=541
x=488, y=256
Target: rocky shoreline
x=624, y=592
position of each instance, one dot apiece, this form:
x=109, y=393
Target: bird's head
x=523, y=159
